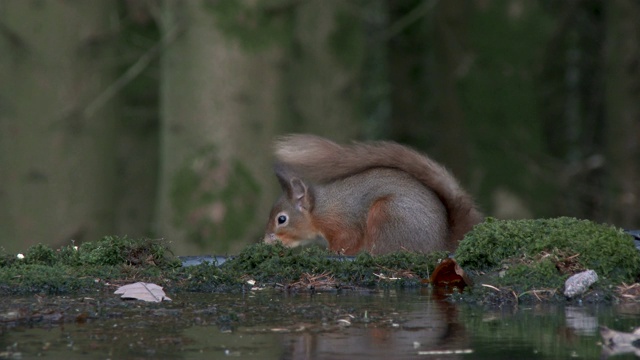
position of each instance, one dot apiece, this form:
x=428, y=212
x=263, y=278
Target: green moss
x=205, y=278
x=516, y=257
x=113, y=259
x=29, y=278
x=543, y=274
x=280, y=264
x=549, y=250
x=116, y=250
x=85, y=267
x=40, y=255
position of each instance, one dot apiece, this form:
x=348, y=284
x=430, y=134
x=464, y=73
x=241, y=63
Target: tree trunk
x=427, y=53
x=409, y=50
x=325, y=71
x=497, y=89
x=56, y=140
x=452, y=60
x=574, y=113
x=220, y=106
x=137, y=149
x=623, y=110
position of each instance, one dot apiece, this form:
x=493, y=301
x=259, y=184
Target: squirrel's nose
x=270, y=238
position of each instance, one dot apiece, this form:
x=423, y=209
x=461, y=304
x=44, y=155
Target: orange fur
x=342, y=239
x=376, y=217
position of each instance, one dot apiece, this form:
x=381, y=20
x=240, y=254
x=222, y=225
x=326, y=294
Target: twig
x=491, y=287
x=414, y=15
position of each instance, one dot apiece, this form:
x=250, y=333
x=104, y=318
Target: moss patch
x=84, y=268
x=113, y=261
x=509, y=261
x=277, y=264
x=531, y=256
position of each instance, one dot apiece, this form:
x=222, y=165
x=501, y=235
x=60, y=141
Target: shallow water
x=269, y=324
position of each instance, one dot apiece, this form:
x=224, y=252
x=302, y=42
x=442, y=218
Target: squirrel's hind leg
x=379, y=237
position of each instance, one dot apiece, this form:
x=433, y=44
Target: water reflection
x=275, y=325
x=400, y=325
x=581, y=320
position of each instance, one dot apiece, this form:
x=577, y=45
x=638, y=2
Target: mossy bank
x=508, y=261
x=530, y=260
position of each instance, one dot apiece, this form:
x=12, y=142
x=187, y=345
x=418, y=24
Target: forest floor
x=499, y=262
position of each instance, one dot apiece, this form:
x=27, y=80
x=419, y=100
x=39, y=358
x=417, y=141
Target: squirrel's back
x=378, y=196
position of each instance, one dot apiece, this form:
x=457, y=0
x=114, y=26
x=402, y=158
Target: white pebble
x=579, y=283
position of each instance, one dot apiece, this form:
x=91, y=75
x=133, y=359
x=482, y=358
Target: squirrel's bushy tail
x=321, y=160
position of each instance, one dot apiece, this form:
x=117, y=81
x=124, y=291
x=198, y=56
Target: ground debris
x=629, y=292
x=315, y=282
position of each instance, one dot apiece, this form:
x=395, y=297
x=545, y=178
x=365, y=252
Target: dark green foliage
x=568, y=242
x=40, y=255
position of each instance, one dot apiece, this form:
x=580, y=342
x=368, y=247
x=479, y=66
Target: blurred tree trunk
x=220, y=107
x=452, y=60
x=56, y=139
x=427, y=56
x=138, y=51
x=409, y=49
x=325, y=69
x=573, y=98
x=623, y=110
x=497, y=91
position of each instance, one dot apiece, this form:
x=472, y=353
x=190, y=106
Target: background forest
x=155, y=118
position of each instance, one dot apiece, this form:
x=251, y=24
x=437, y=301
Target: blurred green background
x=155, y=118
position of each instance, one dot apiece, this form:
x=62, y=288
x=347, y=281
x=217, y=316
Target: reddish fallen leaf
x=449, y=274
x=142, y=291
x=82, y=318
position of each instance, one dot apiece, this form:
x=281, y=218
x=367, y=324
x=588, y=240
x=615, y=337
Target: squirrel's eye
x=282, y=219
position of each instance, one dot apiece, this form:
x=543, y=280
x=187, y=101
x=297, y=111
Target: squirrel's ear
x=284, y=176
x=297, y=191
x=300, y=194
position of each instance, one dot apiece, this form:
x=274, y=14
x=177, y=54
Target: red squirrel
x=377, y=197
